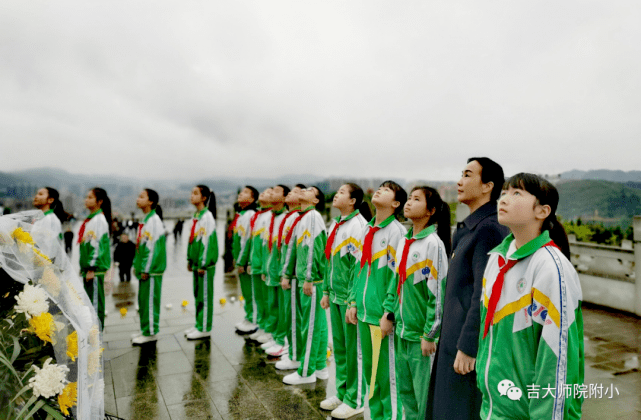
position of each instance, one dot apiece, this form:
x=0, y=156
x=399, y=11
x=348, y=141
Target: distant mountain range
x=604, y=175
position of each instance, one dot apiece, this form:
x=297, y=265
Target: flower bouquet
x=50, y=344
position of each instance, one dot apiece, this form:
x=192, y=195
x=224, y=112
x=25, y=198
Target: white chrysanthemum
x=94, y=362
x=32, y=301
x=94, y=336
x=50, y=380
x=50, y=281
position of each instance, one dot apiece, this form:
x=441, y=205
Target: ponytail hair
x=154, y=198
x=356, y=192
x=210, y=198
x=255, y=193
x=101, y=195
x=320, y=206
x=441, y=216
x=56, y=206
x=546, y=194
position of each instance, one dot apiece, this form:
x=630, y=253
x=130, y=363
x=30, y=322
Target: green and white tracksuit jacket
x=341, y=267
x=241, y=241
x=151, y=258
x=532, y=361
x=202, y=251
x=419, y=307
x=95, y=253
x=309, y=239
x=151, y=254
x=259, y=244
x=369, y=290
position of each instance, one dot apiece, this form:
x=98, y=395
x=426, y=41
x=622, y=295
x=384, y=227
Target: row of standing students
x=413, y=343
x=150, y=260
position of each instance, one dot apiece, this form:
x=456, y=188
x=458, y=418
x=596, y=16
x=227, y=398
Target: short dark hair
x=285, y=189
x=491, y=172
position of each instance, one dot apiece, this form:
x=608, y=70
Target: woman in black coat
x=453, y=392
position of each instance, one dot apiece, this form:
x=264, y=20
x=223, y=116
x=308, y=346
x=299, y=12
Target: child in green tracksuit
x=275, y=295
x=531, y=360
x=259, y=224
x=95, y=252
x=288, y=309
x=416, y=297
x=202, y=255
x=377, y=268
x=309, y=239
x=247, y=200
x=341, y=252
x=149, y=265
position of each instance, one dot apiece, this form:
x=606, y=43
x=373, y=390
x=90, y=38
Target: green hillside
x=612, y=200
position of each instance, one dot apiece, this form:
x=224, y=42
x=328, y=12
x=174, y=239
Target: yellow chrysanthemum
x=43, y=326
x=72, y=345
x=21, y=236
x=68, y=398
x=40, y=259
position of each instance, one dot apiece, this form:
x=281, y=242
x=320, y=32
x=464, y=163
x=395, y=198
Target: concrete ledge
x=606, y=292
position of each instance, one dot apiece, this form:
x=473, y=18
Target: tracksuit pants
x=272, y=314
x=149, y=294
x=284, y=308
x=247, y=289
x=313, y=324
x=260, y=297
x=204, y=295
x=385, y=403
x=414, y=371
x=351, y=386
x=289, y=312
x=96, y=291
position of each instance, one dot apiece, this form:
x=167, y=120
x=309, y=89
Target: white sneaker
x=190, y=330
x=278, y=351
x=330, y=403
x=142, y=339
x=344, y=411
x=296, y=379
x=256, y=334
x=287, y=364
x=322, y=374
x=265, y=338
x=246, y=326
x=197, y=335
x=267, y=345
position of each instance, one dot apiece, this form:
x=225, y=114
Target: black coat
x=454, y=396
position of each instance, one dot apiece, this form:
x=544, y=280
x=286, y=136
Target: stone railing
x=609, y=274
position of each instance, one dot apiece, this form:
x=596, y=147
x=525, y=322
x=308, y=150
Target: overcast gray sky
x=164, y=89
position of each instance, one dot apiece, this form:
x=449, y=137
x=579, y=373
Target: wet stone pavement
x=229, y=378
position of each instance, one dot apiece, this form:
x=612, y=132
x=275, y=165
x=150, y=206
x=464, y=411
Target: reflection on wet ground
x=225, y=378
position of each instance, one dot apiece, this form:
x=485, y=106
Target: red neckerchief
x=282, y=227
x=330, y=240
x=366, y=258
x=291, y=231
x=497, y=287
x=402, y=270
x=271, y=232
x=252, y=222
x=81, y=232
x=193, y=230
x=140, y=225
x=232, y=226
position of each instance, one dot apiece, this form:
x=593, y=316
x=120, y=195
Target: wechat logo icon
x=507, y=389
